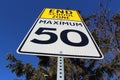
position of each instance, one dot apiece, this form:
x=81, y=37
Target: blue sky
x=17, y=16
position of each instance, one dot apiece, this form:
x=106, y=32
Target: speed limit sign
x=60, y=32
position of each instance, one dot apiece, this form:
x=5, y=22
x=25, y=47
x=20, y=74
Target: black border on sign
x=52, y=54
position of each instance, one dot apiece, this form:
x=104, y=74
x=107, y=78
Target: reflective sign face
x=54, y=37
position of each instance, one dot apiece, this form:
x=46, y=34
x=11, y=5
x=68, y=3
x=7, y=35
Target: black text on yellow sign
x=63, y=14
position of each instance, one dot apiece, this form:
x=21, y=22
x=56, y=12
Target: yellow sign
x=62, y=14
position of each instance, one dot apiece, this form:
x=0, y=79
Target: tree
x=106, y=30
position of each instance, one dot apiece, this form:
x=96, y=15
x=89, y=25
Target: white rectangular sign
x=52, y=37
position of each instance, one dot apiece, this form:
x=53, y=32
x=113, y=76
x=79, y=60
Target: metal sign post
x=60, y=68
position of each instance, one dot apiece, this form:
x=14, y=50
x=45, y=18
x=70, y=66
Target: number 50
x=63, y=35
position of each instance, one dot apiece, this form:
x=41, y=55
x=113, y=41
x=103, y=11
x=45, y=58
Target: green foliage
x=15, y=65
